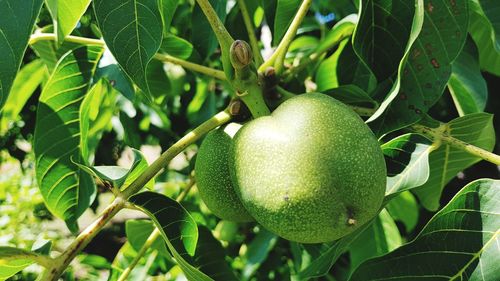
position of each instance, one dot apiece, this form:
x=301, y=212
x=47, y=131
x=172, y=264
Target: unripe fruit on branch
x=212, y=175
x=311, y=172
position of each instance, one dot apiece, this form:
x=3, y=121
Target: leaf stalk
x=278, y=57
x=439, y=135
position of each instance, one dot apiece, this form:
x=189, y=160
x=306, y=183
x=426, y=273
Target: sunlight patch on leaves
x=66, y=190
x=66, y=15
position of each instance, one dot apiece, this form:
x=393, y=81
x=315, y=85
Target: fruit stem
x=438, y=135
x=246, y=81
x=254, y=100
x=278, y=57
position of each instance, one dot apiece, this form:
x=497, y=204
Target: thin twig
x=161, y=57
x=279, y=54
x=218, y=74
x=251, y=32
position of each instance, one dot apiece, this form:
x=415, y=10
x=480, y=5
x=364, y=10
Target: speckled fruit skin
x=213, y=179
x=311, y=172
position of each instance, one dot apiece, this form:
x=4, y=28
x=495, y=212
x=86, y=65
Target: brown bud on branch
x=241, y=54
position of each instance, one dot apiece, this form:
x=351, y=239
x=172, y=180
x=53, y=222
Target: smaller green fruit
x=212, y=175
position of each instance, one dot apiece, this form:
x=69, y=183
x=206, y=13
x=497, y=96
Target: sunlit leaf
x=407, y=159
x=459, y=242
x=257, y=252
x=96, y=112
x=66, y=15
x=138, y=231
x=67, y=191
x=13, y=260
x=119, y=177
x=404, y=208
x=445, y=162
x=27, y=81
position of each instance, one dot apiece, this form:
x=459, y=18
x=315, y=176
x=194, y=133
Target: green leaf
x=351, y=94
x=382, y=33
x=138, y=232
x=285, y=12
x=344, y=67
x=176, y=46
x=407, y=160
x=119, y=177
x=66, y=190
x=446, y=162
x=96, y=112
x=159, y=85
x=168, y=8
x=381, y=237
x=484, y=29
x=210, y=257
x=177, y=227
x=116, y=77
x=341, y=29
x=328, y=255
x=404, y=208
x=13, y=260
x=16, y=25
x=50, y=52
x=124, y=258
x=257, y=252
x=26, y=82
x=203, y=37
x=459, y=243
x=467, y=85
x=428, y=67
x=132, y=31
x=66, y=15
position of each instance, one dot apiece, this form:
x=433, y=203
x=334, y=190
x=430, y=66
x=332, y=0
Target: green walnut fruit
x=212, y=175
x=311, y=172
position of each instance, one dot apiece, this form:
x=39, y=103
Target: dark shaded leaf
x=16, y=25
